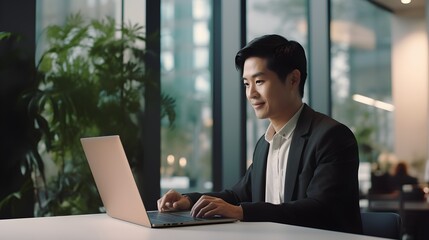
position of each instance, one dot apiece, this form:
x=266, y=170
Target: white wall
x=410, y=86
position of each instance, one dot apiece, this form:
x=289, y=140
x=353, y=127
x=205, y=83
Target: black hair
x=283, y=56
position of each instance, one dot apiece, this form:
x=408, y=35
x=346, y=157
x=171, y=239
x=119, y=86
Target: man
x=304, y=169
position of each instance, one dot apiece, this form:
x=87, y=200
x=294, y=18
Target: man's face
x=269, y=96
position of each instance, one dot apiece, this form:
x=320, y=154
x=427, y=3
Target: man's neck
x=278, y=123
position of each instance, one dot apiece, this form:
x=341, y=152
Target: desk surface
x=101, y=226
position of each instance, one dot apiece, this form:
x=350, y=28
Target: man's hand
x=208, y=206
x=173, y=201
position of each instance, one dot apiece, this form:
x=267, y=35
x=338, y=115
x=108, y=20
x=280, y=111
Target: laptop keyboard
x=171, y=217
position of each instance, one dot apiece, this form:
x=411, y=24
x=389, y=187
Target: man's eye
x=259, y=82
x=246, y=84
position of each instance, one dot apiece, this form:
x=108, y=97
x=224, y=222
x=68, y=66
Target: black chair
x=382, y=224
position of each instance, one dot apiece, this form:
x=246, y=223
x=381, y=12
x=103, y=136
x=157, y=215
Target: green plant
x=90, y=81
x=5, y=35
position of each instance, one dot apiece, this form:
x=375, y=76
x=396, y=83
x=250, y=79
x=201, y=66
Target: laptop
x=118, y=189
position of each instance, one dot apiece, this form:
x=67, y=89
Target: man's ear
x=295, y=77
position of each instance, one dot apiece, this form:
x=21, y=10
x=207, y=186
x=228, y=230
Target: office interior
x=182, y=114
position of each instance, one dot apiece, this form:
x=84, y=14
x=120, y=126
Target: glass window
x=50, y=12
x=284, y=17
x=186, y=146
x=361, y=77
x=88, y=86
x=186, y=39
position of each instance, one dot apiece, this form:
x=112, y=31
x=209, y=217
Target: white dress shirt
x=277, y=159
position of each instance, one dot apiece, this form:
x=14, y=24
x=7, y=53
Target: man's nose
x=251, y=91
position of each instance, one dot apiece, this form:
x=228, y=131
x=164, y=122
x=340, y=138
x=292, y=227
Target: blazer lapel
x=299, y=140
x=259, y=168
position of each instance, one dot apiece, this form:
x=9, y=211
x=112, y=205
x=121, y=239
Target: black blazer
x=321, y=188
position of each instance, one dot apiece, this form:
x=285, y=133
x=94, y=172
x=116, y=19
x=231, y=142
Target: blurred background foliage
x=89, y=81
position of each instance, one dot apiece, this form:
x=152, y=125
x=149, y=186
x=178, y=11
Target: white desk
x=101, y=226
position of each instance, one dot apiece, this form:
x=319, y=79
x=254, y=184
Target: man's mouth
x=257, y=105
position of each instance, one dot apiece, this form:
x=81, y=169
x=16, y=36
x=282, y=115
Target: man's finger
x=204, y=212
x=164, y=201
x=202, y=202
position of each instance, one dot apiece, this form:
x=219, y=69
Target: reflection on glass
x=284, y=17
x=361, y=76
x=186, y=147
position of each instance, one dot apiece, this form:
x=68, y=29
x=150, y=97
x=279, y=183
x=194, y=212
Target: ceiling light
x=372, y=102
